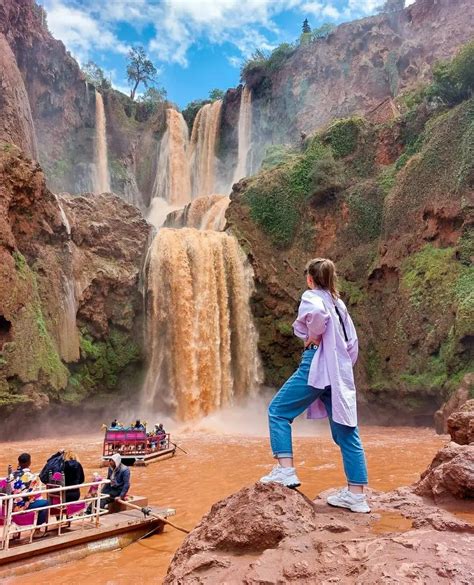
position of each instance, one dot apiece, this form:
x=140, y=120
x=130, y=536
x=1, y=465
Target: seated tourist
x=25, y=482
x=159, y=430
x=73, y=475
x=119, y=475
x=114, y=424
x=138, y=426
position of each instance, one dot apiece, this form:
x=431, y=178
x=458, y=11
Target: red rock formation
x=451, y=474
x=16, y=122
x=64, y=264
x=461, y=424
x=457, y=399
x=357, y=69
x=269, y=534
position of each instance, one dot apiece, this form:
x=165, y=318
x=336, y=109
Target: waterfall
x=206, y=212
x=214, y=218
x=203, y=149
x=64, y=218
x=172, y=181
x=67, y=329
x=202, y=343
x=244, y=135
x=101, y=175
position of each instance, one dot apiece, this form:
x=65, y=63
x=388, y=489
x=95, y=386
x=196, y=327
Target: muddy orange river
x=216, y=465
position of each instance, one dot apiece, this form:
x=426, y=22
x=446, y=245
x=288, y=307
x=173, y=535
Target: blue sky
x=197, y=45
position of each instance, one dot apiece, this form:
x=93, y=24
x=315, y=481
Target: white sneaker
x=346, y=499
x=284, y=475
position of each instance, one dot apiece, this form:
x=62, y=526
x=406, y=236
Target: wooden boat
x=75, y=537
x=136, y=446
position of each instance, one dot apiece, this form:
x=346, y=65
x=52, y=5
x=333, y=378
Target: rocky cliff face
x=271, y=534
x=45, y=94
x=397, y=220
x=61, y=257
x=357, y=69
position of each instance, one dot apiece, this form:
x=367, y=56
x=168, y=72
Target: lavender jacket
x=332, y=363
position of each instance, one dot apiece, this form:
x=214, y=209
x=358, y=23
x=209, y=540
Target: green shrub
x=343, y=135
x=387, y=178
x=326, y=178
x=454, y=81
x=365, y=208
x=191, y=110
x=101, y=364
x=277, y=154
x=323, y=31
x=268, y=62
x=276, y=196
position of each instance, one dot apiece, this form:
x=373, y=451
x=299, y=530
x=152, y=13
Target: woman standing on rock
x=324, y=382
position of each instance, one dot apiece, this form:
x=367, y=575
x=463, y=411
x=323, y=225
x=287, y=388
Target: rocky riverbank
x=270, y=534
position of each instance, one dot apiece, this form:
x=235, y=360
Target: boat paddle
x=148, y=512
x=178, y=447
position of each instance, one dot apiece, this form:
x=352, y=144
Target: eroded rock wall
x=400, y=231
x=70, y=305
x=357, y=69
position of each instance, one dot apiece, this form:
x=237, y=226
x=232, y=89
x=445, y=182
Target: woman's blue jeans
x=292, y=399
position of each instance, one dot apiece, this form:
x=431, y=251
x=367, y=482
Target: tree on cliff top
x=306, y=27
x=139, y=70
x=152, y=98
x=95, y=75
x=216, y=94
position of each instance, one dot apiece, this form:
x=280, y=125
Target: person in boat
x=73, y=475
x=119, y=475
x=114, y=424
x=161, y=435
x=23, y=482
x=324, y=383
x=138, y=426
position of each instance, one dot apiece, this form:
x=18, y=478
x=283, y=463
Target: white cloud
x=79, y=31
x=87, y=25
x=363, y=6
x=235, y=61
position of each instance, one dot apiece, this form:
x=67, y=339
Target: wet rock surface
x=270, y=534
x=273, y=535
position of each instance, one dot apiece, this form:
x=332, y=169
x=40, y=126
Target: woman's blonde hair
x=70, y=456
x=324, y=275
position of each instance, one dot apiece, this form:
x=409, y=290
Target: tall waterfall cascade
x=244, y=135
x=101, y=175
x=173, y=181
x=67, y=328
x=203, y=149
x=202, y=343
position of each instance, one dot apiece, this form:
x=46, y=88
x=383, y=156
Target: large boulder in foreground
x=451, y=474
x=461, y=424
x=455, y=402
x=268, y=534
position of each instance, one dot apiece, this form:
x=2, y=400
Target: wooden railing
x=55, y=496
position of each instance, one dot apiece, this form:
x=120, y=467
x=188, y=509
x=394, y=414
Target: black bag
x=54, y=464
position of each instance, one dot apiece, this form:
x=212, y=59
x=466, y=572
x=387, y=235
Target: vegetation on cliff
x=390, y=203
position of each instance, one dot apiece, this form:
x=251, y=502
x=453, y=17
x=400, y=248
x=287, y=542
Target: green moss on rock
x=102, y=362
x=342, y=135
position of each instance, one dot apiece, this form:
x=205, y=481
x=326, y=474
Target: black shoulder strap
x=342, y=323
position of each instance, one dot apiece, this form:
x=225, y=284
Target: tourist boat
x=136, y=446
x=72, y=532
